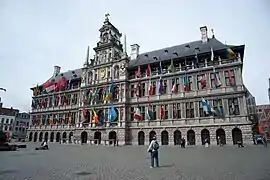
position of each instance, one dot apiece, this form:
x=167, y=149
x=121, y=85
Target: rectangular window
x=132, y=92
x=176, y=111
x=154, y=108
x=154, y=87
x=142, y=90
x=229, y=78
x=11, y=121
x=213, y=79
x=17, y=123
x=177, y=84
x=190, y=82
x=200, y=79
x=3, y=120
x=142, y=108
x=132, y=113
x=233, y=106
x=189, y=110
x=166, y=111
x=7, y=121
x=165, y=86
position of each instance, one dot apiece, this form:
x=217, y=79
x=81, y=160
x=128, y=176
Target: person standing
x=153, y=150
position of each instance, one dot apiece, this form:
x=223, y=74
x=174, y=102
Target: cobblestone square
x=132, y=162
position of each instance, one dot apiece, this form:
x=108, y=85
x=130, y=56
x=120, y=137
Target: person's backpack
x=155, y=145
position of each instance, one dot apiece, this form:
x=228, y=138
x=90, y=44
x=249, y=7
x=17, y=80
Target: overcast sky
x=35, y=35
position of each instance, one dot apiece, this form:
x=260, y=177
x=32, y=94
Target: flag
x=137, y=114
x=186, y=83
x=51, y=120
x=150, y=89
x=206, y=107
x=65, y=100
x=49, y=86
x=95, y=117
x=138, y=72
x=171, y=67
x=230, y=53
x=196, y=61
x=148, y=71
x=53, y=100
x=43, y=104
x=149, y=113
x=260, y=128
x=230, y=78
x=220, y=110
x=36, y=90
x=212, y=54
x=162, y=112
x=174, y=88
x=233, y=108
x=203, y=82
x=112, y=115
x=69, y=118
x=217, y=80
x=160, y=86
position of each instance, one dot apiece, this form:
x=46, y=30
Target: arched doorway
x=164, y=138
x=40, y=137
x=151, y=135
x=35, y=137
x=30, y=136
x=46, y=137
x=141, y=138
x=205, y=136
x=112, y=136
x=97, y=137
x=237, y=135
x=52, y=137
x=70, y=137
x=58, y=137
x=222, y=136
x=177, y=137
x=191, y=137
x=64, y=137
x=84, y=137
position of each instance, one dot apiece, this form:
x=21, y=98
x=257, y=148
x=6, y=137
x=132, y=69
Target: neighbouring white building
x=21, y=125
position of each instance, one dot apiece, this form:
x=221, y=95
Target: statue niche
x=105, y=38
x=116, y=72
x=90, y=77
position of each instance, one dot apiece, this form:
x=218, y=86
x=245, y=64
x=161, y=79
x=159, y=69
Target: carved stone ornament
x=122, y=68
x=102, y=73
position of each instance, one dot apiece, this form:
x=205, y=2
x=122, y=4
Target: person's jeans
x=154, y=156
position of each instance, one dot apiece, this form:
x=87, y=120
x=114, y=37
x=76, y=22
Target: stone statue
x=116, y=71
x=83, y=76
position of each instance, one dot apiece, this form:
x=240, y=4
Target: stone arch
x=40, y=138
x=46, y=137
x=112, y=136
x=151, y=135
x=35, y=137
x=141, y=138
x=84, y=137
x=70, y=137
x=116, y=71
x=191, y=137
x=221, y=136
x=237, y=135
x=64, y=137
x=52, y=137
x=58, y=136
x=164, y=138
x=177, y=137
x=205, y=136
x=30, y=136
x=97, y=137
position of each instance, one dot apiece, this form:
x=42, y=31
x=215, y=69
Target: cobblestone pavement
x=132, y=163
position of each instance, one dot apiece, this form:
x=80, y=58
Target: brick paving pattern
x=63, y=162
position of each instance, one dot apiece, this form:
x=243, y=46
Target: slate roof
x=183, y=50
x=8, y=111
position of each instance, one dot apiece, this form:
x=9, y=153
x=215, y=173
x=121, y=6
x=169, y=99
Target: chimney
x=56, y=70
x=134, y=51
x=204, y=34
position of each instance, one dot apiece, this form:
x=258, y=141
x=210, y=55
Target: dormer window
x=197, y=49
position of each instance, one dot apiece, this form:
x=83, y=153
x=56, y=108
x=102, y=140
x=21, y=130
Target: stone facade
x=184, y=116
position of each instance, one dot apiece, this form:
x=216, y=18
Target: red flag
x=203, y=82
x=137, y=114
x=61, y=84
x=49, y=86
x=162, y=112
x=174, y=88
x=148, y=70
x=150, y=89
x=43, y=104
x=138, y=73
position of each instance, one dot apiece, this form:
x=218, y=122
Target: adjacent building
x=7, y=118
x=194, y=91
x=21, y=125
x=264, y=118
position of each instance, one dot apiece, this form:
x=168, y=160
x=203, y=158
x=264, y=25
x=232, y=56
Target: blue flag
x=196, y=61
x=160, y=88
x=112, y=115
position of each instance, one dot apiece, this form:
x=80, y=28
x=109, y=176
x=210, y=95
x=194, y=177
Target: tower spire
x=125, y=43
x=86, y=64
